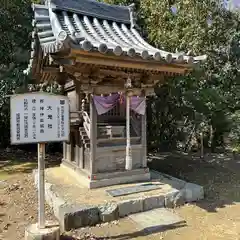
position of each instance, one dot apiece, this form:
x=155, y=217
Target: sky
x=236, y=3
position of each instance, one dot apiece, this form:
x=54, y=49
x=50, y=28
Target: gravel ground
x=18, y=206
x=18, y=194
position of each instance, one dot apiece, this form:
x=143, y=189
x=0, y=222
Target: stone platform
x=76, y=206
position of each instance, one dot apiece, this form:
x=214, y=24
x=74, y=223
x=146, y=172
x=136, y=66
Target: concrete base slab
x=50, y=232
x=157, y=219
x=76, y=205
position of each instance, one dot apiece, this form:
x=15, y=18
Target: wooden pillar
x=72, y=147
x=93, y=135
x=68, y=151
x=144, y=139
x=128, y=162
x=77, y=147
x=78, y=96
x=81, y=155
x=64, y=151
x=81, y=147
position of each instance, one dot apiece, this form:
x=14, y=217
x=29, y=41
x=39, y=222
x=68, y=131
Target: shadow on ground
x=17, y=161
x=132, y=235
x=218, y=173
x=147, y=231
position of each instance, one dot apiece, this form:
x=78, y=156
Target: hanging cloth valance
x=138, y=105
x=104, y=104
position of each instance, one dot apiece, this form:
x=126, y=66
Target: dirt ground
x=216, y=217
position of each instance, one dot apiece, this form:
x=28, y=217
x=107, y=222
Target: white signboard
x=39, y=117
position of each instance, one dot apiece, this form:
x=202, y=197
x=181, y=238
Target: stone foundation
x=76, y=206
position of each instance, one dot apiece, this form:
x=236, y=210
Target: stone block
x=130, y=206
x=109, y=212
x=174, y=198
x=50, y=232
x=193, y=192
x=152, y=202
x=157, y=220
x=167, y=179
x=72, y=216
x=57, y=203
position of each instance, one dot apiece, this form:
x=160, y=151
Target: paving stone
x=153, y=202
x=72, y=217
x=156, y=219
x=109, y=212
x=193, y=192
x=130, y=206
x=133, y=189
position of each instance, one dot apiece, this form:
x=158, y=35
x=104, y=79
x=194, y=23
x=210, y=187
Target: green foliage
x=234, y=135
x=186, y=106
x=15, y=27
x=15, y=33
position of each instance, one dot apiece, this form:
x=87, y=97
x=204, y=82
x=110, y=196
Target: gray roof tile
x=57, y=23
x=95, y=9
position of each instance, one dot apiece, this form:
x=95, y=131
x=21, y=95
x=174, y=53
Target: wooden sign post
x=41, y=185
x=39, y=118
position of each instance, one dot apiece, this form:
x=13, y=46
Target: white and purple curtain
x=104, y=104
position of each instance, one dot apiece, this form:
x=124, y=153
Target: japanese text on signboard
x=39, y=117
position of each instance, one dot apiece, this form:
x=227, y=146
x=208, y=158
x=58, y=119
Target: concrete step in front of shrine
x=76, y=206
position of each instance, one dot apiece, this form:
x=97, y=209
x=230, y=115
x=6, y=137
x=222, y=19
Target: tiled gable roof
x=95, y=9
x=94, y=26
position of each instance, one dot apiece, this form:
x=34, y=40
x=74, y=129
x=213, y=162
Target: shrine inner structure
x=107, y=70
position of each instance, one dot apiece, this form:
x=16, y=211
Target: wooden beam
x=136, y=63
x=65, y=61
x=51, y=69
x=79, y=68
x=77, y=51
x=153, y=66
x=111, y=72
x=98, y=90
x=69, y=85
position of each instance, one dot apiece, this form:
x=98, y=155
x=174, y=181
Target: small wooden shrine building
x=107, y=69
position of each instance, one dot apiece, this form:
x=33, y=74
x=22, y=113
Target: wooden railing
x=110, y=132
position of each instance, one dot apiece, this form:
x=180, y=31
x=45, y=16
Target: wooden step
x=84, y=137
x=87, y=145
x=83, y=133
